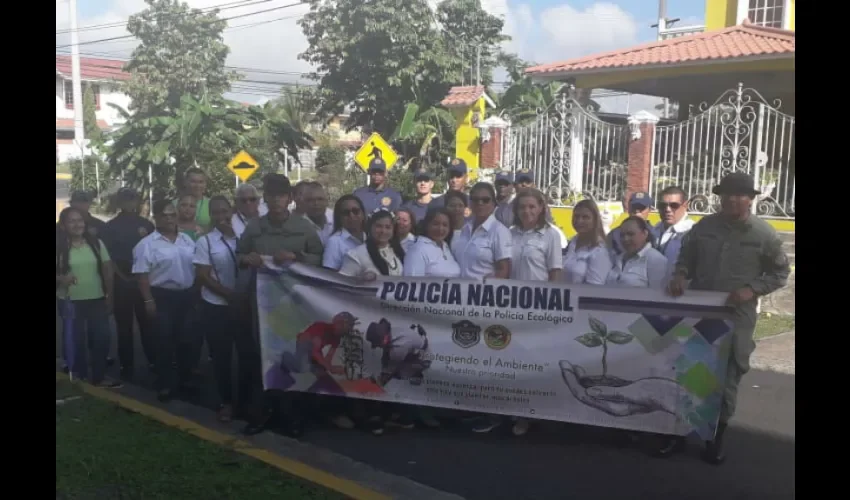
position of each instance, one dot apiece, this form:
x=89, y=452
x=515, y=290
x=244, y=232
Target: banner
x=614, y=357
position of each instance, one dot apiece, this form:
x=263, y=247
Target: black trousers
x=128, y=304
x=226, y=328
x=173, y=338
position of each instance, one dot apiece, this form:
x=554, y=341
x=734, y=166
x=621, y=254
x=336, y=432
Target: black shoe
x=127, y=374
x=665, y=446
x=713, y=452
x=294, y=429
x=110, y=362
x=257, y=426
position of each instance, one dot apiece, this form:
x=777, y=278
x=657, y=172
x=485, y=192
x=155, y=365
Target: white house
x=104, y=77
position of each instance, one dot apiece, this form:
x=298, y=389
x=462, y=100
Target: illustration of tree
x=600, y=336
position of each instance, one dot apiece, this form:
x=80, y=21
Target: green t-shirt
x=84, y=268
x=191, y=233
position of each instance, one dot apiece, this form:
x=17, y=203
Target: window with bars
x=69, y=95
x=768, y=13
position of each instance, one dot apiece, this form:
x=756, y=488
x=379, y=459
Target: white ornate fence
x=740, y=132
x=572, y=153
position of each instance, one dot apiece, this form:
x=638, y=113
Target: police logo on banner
x=497, y=337
x=466, y=333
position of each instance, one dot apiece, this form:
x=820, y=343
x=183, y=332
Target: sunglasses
x=350, y=211
x=483, y=200
x=672, y=206
x=248, y=200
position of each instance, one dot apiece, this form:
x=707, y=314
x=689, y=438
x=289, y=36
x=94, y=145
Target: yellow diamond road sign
x=243, y=165
x=375, y=147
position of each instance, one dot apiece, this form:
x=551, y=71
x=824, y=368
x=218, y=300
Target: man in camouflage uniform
x=740, y=254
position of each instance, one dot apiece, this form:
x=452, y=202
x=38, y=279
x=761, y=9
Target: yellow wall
x=467, y=143
x=720, y=14
x=791, y=21
x=563, y=217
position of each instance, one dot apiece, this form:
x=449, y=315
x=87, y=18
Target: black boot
x=713, y=453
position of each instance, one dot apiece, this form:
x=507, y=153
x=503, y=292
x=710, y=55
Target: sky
x=268, y=43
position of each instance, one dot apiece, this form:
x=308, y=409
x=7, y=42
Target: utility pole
x=478, y=64
x=76, y=81
x=662, y=17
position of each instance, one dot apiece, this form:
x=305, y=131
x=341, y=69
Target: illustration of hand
x=619, y=397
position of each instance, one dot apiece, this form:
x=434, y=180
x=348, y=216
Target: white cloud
x=556, y=33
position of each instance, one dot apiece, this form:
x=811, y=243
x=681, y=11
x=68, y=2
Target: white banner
x=614, y=357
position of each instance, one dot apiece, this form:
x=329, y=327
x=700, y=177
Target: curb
x=63, y=177
x=282, y=453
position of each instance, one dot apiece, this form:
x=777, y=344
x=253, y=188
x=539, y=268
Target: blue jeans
x=91, y=330
x=172, y=337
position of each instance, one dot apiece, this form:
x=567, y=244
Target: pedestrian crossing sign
x=375, y=148
x=243, y=165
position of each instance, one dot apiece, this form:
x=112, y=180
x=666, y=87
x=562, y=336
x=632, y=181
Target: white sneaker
x=342, y=422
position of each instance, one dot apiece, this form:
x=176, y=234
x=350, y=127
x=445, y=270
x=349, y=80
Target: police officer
x=120, y=235
x=377, y=195
x=504, y=198
x=424, y=183
x=740, y=254
x=639, y=205
x=458, y=179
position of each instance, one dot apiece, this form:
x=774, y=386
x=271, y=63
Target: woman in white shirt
x=380, y=255
x=483, y=246
x=405, y=227
x=162, y=261
x=587, y=260
x=349, y=221
x=640, y=265
x=431, y=255
x=224, y=307
x=456, y=205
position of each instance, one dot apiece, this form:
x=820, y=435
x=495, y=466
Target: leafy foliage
x=471, y=28
x=329, y=157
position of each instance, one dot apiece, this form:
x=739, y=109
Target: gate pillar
x=642, y=126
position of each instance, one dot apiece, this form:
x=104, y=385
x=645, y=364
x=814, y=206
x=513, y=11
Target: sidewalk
x=776, y=353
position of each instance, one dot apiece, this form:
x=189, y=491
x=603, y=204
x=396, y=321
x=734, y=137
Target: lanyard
x=229, y=250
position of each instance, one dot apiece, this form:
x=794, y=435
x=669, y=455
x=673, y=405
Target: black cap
x=126, y=194
x=80, y=197
x=276, y=184
x=736, y=183
x=422, y=174
x=377, y=165
x=457, y=167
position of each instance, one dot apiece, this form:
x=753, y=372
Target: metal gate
x=740, y=132
x=571, y=152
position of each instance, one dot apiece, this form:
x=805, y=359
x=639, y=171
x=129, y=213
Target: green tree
x=92, y=131
x=371, y=56
x=180, y=117
x=181, y=52
x=473, y=32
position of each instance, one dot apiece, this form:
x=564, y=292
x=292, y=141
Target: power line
x=124, y=37
x=118, y=24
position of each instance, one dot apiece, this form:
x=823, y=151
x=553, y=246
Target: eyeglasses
x=248, y=200
x=483, y=200
x=672, y=206
x=350, y=211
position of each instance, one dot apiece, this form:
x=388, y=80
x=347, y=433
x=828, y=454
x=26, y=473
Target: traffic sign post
x=243, y=165
x=375, y=147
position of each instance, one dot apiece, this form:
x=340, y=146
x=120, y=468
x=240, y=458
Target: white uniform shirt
x=407, y=242
x=239, y=221
x=357, y=262
x=168, y=265
x=535, y=253
x=426, y=259
x=338, y=245
x=647, y=269
x=587, y=265
x=478, y=252
x=326, y=230
x=214, y=249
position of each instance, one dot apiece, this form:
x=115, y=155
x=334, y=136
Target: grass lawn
x=773, y=324
x=106, y=452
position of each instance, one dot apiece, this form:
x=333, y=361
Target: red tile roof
x=93, y=69
x=463, y=96
x=68, y=124
x=735, y=42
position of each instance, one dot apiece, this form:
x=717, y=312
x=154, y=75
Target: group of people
x=186, y=278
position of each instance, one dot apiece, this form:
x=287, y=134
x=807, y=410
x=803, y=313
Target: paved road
x=566, y=462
